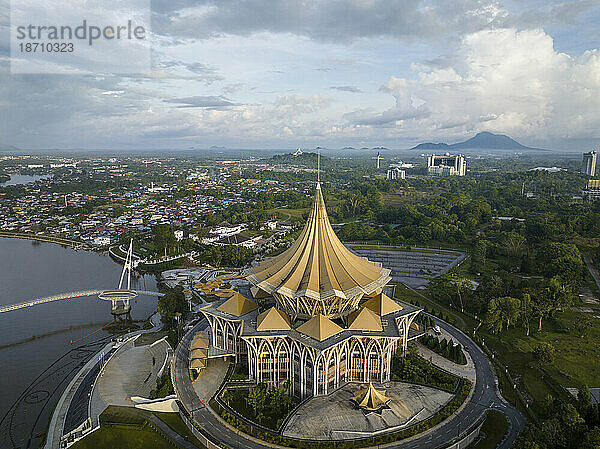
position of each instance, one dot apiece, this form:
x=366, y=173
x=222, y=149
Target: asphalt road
x=485, y=396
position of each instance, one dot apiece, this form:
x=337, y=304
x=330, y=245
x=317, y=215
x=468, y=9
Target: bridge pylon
x=121, y=297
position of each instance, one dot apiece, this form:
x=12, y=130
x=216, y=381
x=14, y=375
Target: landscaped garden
x=445, y=348
x=267, y=407
x=415, y=369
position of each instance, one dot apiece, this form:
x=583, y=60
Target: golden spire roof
x=319, y=327
x=198, y=364
x=273, y=320
x=237, y=305
x=382, y=304
x=200, y=341
x=370, y=398
x=318, y=265
x=199, y=353
x=364, y=320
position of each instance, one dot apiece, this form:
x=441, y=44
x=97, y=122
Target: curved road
x=485, y=396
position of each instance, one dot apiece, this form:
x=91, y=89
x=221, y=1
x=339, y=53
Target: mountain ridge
x=484, y=140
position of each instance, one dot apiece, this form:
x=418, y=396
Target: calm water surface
x=32, y=339
x=17, y=179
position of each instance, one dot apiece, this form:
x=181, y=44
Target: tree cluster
x=565, y=425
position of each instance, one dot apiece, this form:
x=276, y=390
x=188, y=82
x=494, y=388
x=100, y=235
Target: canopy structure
x=382, y=304
x=318, y=274
x=200, y=341
x=198, y=353
x=364, y=319
x=320, y=328
x=370, y=399
x=273, y=320
x=238, y=305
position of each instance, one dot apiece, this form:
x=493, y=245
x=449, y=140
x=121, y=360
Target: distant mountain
x=217, y=148
x=482, y=141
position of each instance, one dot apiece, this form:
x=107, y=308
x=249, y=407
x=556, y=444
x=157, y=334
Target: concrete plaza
x=337, y=417
x=131, y=371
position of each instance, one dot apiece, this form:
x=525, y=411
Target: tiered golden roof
x=318, y=274
x=371, y=399
x=320, y=328
x=364, y=319
x=237, y=305
x=199, y=353
x=382, y=304
x=273, y=320
x=200, y=341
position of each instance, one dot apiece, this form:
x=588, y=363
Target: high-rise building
x=394, y=172
x=592, y=190
x=446, y=165
x=588, y=167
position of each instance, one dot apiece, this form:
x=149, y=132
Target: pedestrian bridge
x=63, y=296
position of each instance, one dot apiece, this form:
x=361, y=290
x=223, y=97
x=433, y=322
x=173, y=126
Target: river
x=32, y=339
x=17, y=179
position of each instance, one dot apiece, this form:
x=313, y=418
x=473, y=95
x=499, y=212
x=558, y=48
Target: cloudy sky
x=334, y=73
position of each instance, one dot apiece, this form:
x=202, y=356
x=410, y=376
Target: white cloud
x=507, y=81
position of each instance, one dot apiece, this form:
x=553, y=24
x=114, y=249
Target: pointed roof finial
x=318, y=167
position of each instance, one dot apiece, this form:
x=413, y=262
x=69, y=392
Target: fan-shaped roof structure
x=273, y=320
x=371, y=399
x=319, y=327
x=382, y=304
x=238, y=305
x=318, y=267
x=364, y=319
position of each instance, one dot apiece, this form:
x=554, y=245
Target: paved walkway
x=57, y=422
x=467, y=371
x=592, y=269
x=210, y=379
x=336, y=417
x=131, y=371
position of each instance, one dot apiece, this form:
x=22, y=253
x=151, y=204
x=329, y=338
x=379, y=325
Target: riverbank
x=43, y=345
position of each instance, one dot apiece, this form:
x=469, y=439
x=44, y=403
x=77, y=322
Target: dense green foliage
x=267, y=407
x=445, y=348
x=565, y=425
x=173, y=305
x=412, y=368
x=227, y=256
x=164, y=387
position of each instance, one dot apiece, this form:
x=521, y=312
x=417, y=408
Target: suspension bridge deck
x=63, y=296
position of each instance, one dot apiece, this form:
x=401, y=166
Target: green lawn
x=174, y=421
x=288, y=213
x=573, y=357
x=115, y=437
x=148, y=339
x=127, y=428
x=493, y=430
x=406, y=294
